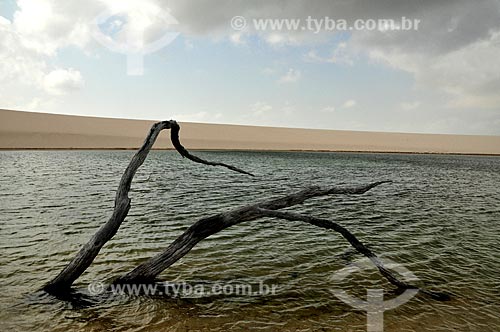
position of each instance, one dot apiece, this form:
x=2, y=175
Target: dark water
x=440, y=219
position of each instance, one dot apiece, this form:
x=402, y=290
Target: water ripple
x=440, y=219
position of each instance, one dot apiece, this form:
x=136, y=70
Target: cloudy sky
x=82, y=57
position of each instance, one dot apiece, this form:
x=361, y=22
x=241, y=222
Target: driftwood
x=89, y=251
x=148, y=271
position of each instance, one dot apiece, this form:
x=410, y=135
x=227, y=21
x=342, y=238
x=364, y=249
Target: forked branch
x=63, y=281
x=203, y=228
x=150, y=269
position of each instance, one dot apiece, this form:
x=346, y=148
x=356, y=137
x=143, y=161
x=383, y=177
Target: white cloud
x=191, y=117
x=349, y=103
x=288, y=109
x=275, y=39
x=202, y=116
x=291, y=76
x=280, y=39
x=312, y=56
x=268, y=71
x=41, y=28
x=4, y=21
x=237, y=39
x=62, y=81
x=332, y=109
x=469, y=77
x=33, y=104
x=454, y=55
x=18, y=64
x=45, y=26
x=260, y=108
x=329, y=109
x=340, y=55
x=188, y=45
x=410, y=105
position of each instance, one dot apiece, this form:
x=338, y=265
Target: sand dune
x=28, y=130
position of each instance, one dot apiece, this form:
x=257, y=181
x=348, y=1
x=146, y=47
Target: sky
x=210, y=61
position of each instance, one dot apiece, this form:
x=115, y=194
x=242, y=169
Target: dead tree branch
x=63, y=281
x=360, y=247
x=149, y=270
x=185, y=153
x=203, y=228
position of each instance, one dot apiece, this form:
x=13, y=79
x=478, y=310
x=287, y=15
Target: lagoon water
x=440, y=219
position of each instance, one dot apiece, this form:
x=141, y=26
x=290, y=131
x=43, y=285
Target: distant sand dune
x=28, y=130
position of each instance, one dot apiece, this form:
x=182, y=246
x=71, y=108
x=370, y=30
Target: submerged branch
x=203, y=228
x=360, y=247
x=63, y=281
x=148, y=271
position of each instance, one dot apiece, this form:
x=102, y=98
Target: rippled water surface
x=440, y=219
